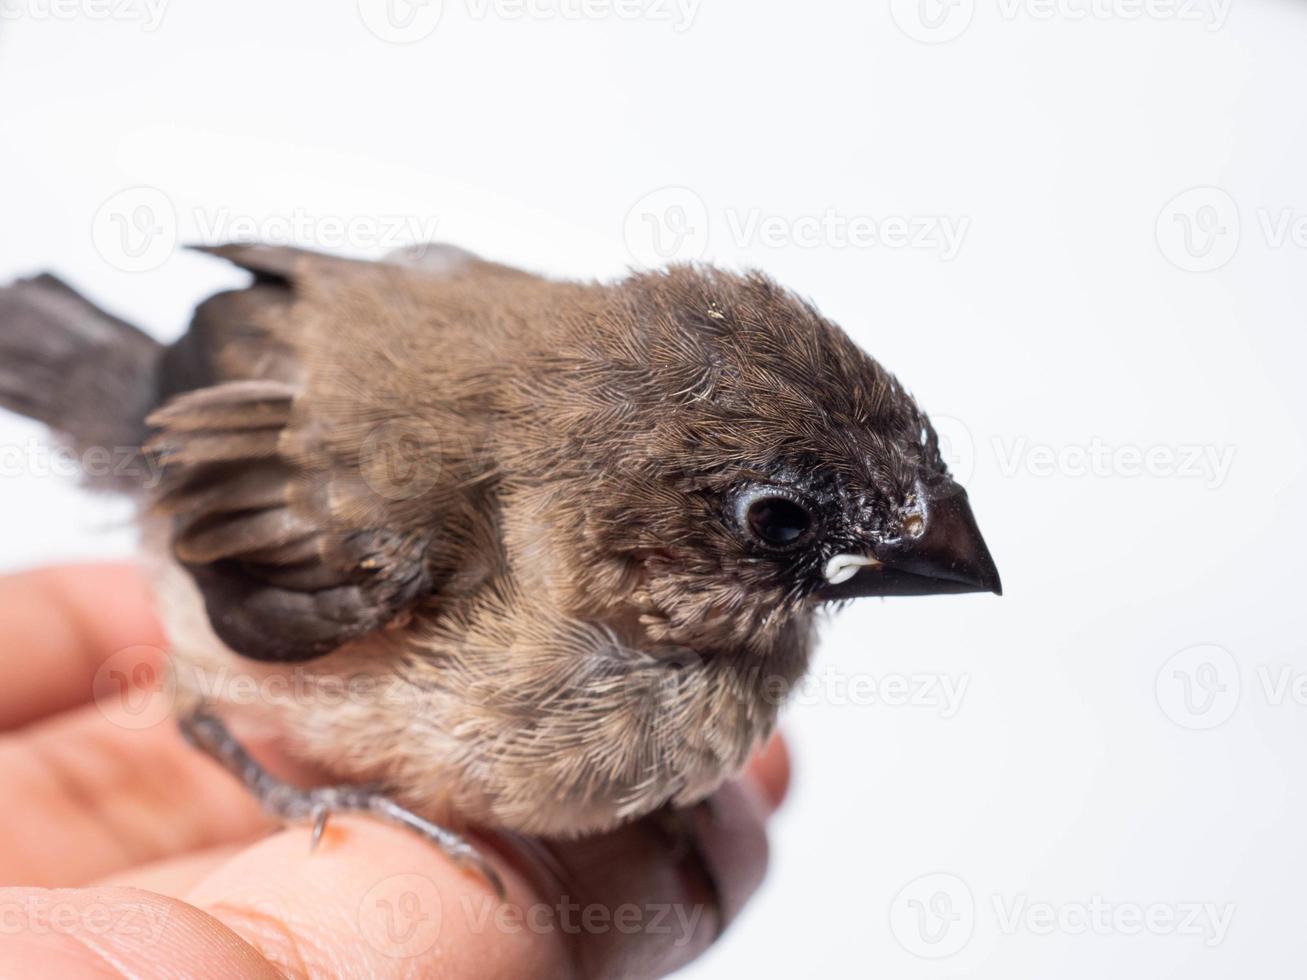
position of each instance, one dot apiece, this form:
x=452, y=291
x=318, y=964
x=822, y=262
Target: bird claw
x=316, y=806
x=320, y=815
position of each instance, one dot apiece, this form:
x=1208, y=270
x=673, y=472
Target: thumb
x=114, y=932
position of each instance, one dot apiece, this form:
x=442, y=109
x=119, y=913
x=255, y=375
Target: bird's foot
x=294, y=805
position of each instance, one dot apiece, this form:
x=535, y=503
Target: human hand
x=128, y=853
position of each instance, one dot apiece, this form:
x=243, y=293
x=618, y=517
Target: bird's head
x=718, y=459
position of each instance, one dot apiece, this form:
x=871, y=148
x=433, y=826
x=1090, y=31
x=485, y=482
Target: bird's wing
x=306, y=522
x=284, y=575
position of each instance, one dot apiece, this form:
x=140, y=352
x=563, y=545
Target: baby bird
x=540, y=556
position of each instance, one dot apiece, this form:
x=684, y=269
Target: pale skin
x=127, y=853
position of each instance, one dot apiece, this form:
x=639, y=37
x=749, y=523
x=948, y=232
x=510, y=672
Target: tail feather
x=67, y=363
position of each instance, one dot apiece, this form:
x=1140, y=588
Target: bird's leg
x=294, y=805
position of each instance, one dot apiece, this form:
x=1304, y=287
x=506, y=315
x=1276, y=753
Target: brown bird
x=541, y=556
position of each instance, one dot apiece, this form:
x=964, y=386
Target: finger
x=377, y=901
x=657, y=907
x=382, y=904
x=58, y=626
x=86, y=797
x=770, y=770
x=115, y=932
x=175, y=876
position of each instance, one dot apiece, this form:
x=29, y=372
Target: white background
x=1088, y=316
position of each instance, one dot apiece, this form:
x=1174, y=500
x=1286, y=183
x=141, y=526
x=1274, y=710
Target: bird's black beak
x=947, y=555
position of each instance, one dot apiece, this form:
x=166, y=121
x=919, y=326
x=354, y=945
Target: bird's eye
x=777, y=521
